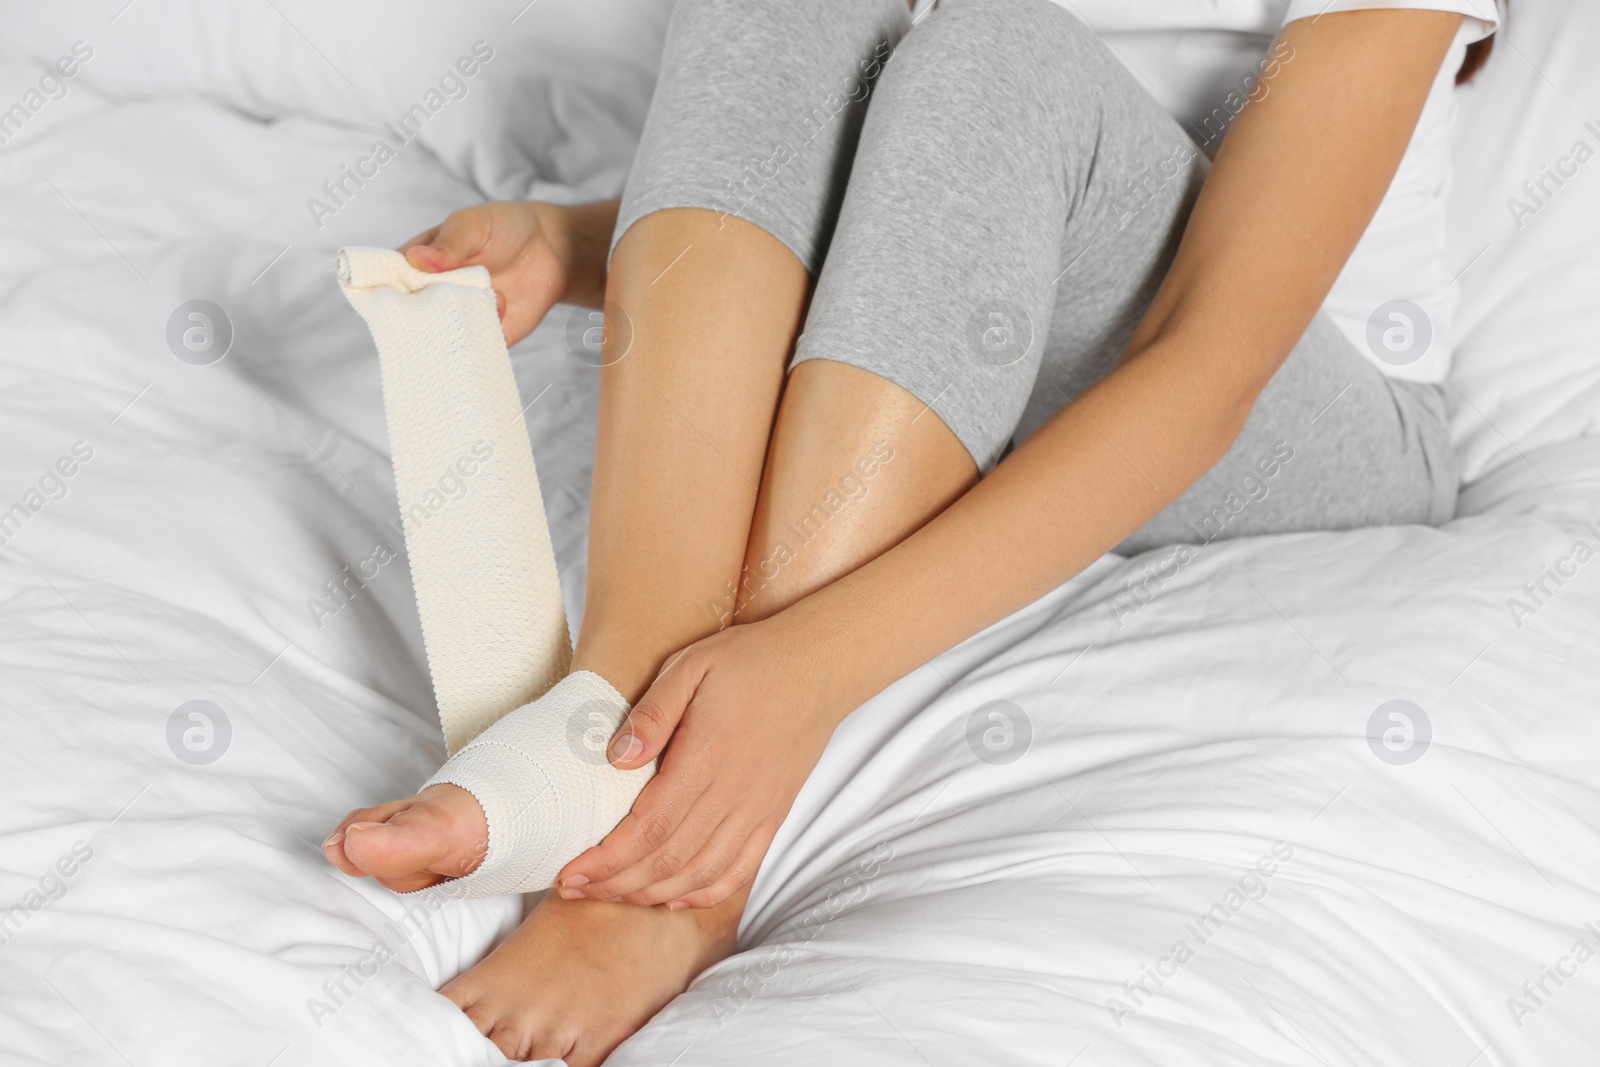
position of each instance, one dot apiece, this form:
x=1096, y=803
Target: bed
x=1313, y=799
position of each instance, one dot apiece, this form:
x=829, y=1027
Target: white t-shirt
x=1203, y=59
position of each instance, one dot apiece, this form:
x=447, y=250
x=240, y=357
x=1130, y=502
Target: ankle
x=627, y=659
x=625, y=676
x=719, y=926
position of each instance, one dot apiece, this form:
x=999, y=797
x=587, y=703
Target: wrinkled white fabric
x=208, y=928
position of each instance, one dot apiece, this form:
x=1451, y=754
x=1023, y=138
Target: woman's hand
x=537, y=254
x=748, y=715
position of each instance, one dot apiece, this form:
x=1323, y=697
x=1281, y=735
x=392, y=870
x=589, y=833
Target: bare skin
x=682, y=442
x=552, y=989
x=692, y=481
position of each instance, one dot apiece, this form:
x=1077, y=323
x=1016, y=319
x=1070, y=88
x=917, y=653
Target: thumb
x=648, y=727
x=449, y=245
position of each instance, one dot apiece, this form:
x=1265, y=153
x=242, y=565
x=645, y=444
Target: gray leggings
x=987, y=215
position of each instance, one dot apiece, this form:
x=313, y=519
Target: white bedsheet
x=922, y=905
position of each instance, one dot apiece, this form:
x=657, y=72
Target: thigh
x=999, y=239
x=1015, y=203
x=756, y=113
x=1331, y=444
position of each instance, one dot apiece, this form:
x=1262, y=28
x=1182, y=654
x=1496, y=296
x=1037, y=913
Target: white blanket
x=935, y=897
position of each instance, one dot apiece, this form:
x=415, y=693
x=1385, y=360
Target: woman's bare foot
x=412, y=843
x=578, y=977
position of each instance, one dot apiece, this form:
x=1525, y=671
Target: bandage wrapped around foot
x=524, y=738
x=542, y=777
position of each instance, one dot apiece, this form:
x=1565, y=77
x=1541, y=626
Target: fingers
x=738, y=874
x=723, y=859
x=655, y=815
x=644, y=733
x=525, y=269
x=420, y=239
x=451, y=244
x=663, y=805
x=704, y=826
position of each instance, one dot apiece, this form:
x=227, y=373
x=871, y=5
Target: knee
x=787, y=24
x=1028, y=38
x=1027, y=60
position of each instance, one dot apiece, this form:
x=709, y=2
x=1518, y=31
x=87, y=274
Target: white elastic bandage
x=493, y=623
x=542, y=777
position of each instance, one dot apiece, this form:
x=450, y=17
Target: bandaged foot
x=545, y=786
x=546, y=791
x=490, y=603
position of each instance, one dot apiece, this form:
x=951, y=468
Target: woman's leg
x=714, y=304
x=685, y=413
x=932, y=232
x=683, y=428
x=856, y=464
x=940, y=286
x=1331, y=444
x=756, y=118
x=1015, y=203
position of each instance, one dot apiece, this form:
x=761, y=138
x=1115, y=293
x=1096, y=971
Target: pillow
x=1527, y=366
x=505, y=92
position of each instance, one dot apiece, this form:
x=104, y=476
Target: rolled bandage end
x=374, y=268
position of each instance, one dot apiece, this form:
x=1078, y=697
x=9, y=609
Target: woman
x=998, y=236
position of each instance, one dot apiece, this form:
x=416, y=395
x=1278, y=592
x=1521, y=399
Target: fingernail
x=677, y=905
x=571, y=894
x=626, y=747
x=333, y=839
x=361, y=826
x=574, y=881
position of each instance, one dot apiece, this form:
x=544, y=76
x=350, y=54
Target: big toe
x=408, y=846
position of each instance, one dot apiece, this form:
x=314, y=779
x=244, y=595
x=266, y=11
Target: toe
x=412, y=844
x=515, y=1042
x=333, y=845
x=333, y=848
x=515, y=1033
x=405, y=846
